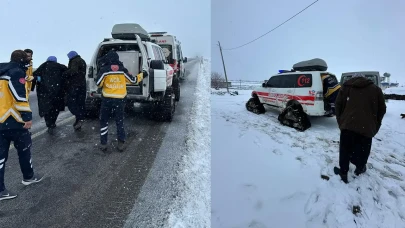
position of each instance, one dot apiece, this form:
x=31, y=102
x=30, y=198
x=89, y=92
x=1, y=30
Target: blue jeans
x=112, y=107
x=22, y=143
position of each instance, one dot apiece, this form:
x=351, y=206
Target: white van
x=298, y=84
x=138, y=54
x=172, y=49
x=373, y=75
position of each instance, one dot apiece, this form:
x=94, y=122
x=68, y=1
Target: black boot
x=343, y=176
x=121, y=146
x=360, y=170
x=78, y=125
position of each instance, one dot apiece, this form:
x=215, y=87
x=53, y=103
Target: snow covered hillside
x=268, y=175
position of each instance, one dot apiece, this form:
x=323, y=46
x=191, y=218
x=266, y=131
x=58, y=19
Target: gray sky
x=57, y=27
x=349, y=35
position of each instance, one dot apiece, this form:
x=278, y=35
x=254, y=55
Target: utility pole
x=223, y=63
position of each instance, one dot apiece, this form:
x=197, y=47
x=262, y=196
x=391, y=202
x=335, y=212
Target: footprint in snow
x=277, y=152
x=256, y=224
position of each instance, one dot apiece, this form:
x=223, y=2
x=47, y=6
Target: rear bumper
x=129, y=97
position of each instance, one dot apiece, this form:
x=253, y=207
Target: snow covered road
x=84, y=187
x=268, y=175
x=177, y=191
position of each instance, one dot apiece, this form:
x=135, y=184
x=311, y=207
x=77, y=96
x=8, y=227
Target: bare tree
x=216, y=80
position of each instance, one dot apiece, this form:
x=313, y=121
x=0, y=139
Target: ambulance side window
x=274, y=82
x=162, y=54
x=156, y=53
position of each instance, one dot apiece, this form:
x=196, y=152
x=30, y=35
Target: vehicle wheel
x=254, y=105
x=92, y=108
x=166, y=108
x=176, y=88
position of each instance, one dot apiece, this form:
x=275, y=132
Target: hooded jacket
x=14, y=106
x=113, y=76
x=360, y=107
x=76, y=73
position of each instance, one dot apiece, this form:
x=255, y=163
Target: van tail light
x=319, y=96
x=174, y=64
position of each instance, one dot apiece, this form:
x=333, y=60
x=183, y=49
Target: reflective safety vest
x=330, y=85
x=29, y=78
x=11, y=103
x=114, y=83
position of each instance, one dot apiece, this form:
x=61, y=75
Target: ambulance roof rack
x=316, y=64
x=127, y=31
x=156, y=34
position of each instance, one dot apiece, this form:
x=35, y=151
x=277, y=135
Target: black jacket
x=76, y=73
x=50, y=91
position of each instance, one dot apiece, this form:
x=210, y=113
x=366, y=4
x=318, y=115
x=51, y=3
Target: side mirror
x=185, y=59
x=264, y=85
x=91, y=72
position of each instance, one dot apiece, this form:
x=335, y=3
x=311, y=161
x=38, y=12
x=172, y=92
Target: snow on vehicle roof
x=315, y=64
x=127, y=31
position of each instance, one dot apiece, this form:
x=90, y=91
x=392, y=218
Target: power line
x=227, y=49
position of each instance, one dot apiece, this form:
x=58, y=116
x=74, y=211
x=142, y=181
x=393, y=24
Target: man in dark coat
x=360, y=108
x=50, y=92
x=76, y=87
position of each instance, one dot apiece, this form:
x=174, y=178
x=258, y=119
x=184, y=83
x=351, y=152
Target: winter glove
x=139, y=77
x=38, y=78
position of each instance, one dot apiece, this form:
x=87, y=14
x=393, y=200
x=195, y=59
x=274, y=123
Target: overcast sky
x=57, y=27
x=349, y=35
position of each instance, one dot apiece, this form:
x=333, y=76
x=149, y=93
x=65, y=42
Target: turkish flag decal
x=114, y=67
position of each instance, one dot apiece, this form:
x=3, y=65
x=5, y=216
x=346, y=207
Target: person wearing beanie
x=50, y=91
x=52, y=59
x=17, y=119
x=76, y=87
x=360, y=108
x=112, y=79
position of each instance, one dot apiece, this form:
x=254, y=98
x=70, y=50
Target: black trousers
x=354, y=148
x=22, y=143
x=76, y=100
x=51, y=117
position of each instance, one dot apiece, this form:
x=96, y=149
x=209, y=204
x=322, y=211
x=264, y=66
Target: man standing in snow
x=360, y=108
x=112, y=78
x=16, y=120
x=76, y=87
x=50, y=91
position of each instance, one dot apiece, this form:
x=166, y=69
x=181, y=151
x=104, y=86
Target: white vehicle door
x=285, y=91
x=145, y=64
x=274, y=84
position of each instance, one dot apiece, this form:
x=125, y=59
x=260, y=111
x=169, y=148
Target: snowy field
x=268, y=175
x=395, y=90
x=192, y=208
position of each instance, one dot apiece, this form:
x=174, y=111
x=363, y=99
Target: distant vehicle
x=172, y=48
x=156, y=88
x=373, y=75
x=303, y=84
